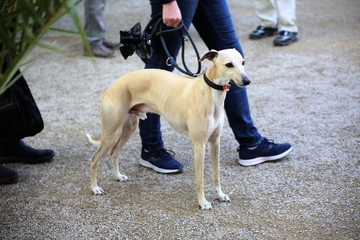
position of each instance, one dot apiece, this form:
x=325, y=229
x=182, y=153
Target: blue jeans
x=213, y=22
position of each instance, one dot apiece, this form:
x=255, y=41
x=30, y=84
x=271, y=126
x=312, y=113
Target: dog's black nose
x=246, y=81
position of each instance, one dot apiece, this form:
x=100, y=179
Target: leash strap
x=184, y=34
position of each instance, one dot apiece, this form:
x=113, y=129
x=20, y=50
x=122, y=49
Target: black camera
x=137, y=41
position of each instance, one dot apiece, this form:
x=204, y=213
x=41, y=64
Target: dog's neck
x=224, y=88
x=217, y=91
x=211, y=74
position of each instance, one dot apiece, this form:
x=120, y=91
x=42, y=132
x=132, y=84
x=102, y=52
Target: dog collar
x=224, y=88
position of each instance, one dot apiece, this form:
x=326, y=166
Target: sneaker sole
x=10, y=180
x=85, y=53
x=157, y=169
x=285, y=44
x=256, y=161
x=25, y=160
x=251, y=37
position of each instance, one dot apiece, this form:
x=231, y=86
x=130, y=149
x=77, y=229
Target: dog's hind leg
x=106, y=143
x=214, y=155
x=112, y=122
x=127, y=131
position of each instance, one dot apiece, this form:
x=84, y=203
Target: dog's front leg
x=215, y=167
x=199, y=155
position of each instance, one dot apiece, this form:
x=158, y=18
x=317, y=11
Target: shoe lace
x=163, y=152
x=265, y=140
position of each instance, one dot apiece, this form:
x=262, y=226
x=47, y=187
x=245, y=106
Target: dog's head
x=228, y=65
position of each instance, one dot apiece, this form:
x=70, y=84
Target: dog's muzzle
x=246, y=81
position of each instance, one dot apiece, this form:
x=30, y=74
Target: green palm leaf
x=22, y=24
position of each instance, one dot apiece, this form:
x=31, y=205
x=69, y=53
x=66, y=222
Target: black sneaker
x=285, y=38
x=8, y=176
x=267, y=150
x=262, y=32
x=23, y=153
x=99, y=50
x=161, y=161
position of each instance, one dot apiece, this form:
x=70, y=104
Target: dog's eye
x=229, y=65
x=243, y=62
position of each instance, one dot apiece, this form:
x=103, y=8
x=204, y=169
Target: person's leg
x=94, y=22
x=218, y=32
x=12, y=148
x=150, y=129
x=266, y=12
x=287, y=15
x=95, y=29
x=287, y=33
x=214, y=23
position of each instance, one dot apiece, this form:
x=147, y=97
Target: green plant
x=22, y=24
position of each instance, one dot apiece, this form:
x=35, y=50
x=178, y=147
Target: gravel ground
x=307, y=94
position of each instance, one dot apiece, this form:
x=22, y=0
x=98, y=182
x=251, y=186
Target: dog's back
x=146, y=80
x=153, y=90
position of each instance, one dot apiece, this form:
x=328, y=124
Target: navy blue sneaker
x=267, y=150
x=160, y=160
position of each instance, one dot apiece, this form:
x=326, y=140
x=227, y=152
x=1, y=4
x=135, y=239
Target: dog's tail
x=92, y=140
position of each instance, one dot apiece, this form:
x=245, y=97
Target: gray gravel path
x=307, y=94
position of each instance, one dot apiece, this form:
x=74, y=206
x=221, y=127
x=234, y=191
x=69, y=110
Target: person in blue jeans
x=212, y=20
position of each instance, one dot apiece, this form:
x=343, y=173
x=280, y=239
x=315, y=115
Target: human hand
x=171, y=14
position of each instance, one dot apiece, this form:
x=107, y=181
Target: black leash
x=140, y=42
x=185, y=36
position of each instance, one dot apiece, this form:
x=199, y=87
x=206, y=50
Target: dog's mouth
x=232, y=82
x=246, y=81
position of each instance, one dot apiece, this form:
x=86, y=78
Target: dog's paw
x=224, y=198
x=205, y=205
x=98, y=190
x=121, y=177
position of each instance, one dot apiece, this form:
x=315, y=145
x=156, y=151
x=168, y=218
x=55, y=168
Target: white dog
x=193, y=106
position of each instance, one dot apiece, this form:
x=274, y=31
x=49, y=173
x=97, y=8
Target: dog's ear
x=210, y=55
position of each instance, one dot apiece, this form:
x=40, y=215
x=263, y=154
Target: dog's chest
x=217, y=109
x=217, y=115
